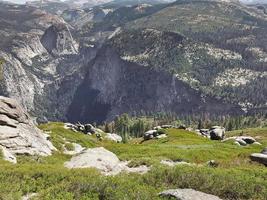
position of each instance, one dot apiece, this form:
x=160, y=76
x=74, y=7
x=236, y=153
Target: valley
x=133, y=99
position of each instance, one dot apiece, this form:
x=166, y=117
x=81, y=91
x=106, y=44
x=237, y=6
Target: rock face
x=103, y=160
x=18, y=134
x=188, y=194
x=58, y=40
x=260, y=157
x=93, y=73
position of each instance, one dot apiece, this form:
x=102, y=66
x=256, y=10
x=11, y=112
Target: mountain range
x=93, y=63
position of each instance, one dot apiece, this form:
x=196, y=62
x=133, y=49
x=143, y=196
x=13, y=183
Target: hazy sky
x=23, y=1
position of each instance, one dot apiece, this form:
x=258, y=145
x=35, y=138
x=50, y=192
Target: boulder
x=84, y=128
x=242, y=140
x=264, y=151
x=113, y=137
x=150, y=134
x=259, y=157
x=29, y=196
x=188, y=194
x=161, y=136
x=18, y=133
x=247, y=139
x=154, y=134
x=203, y=132
x=166, y=126
x=89, y=128
x=217, y=133
x=71, y=127
x=103, y=160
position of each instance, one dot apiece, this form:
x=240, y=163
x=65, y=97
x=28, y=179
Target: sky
x=23, y=1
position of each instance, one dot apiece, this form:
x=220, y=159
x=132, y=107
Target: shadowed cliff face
x=113, y=86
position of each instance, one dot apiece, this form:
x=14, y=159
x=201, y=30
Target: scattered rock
x=188, y=194
x=212, y=163
x=113, y=137
x=88, y=129
x=18, y=133
x=189, y=129
x=103, y=160
x=264, y=151
x=217, y=133
x=161, y=136
x=203, y=132
x=167, y=126
x=260, y=157
x=157, y=128
x=29, y=196
x=154, y=134
x=172, y=163
x=77, y=149
x=242, y=140
x=248, y=139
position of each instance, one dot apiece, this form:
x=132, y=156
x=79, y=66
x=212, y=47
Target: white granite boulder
x=18, y=133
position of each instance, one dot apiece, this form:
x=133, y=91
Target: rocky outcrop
x=188, y=194
x=106, y=74
x=260, y=157
x=57, y=40
x=88, y=129
x=103, y=160
x=18, y=134
x=114, y=86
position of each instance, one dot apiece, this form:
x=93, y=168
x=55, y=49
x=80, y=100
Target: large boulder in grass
x=103, y=160
x=188, y=194
x=18, y=133
x=260, y=157
x=150, y=134
x=217, y=133
x=113, y=137
x=154, y=134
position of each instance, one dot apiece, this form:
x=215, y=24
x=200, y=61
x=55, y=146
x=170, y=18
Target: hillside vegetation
x=235, y=177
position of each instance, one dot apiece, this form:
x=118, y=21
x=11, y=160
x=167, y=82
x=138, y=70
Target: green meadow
x=235, y=177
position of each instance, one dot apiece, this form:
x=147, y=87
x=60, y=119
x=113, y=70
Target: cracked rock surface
x=18, y=133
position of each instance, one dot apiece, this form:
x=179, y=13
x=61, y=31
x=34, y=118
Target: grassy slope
x=235, y=178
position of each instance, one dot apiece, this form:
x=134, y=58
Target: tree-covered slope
x=227, y=58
